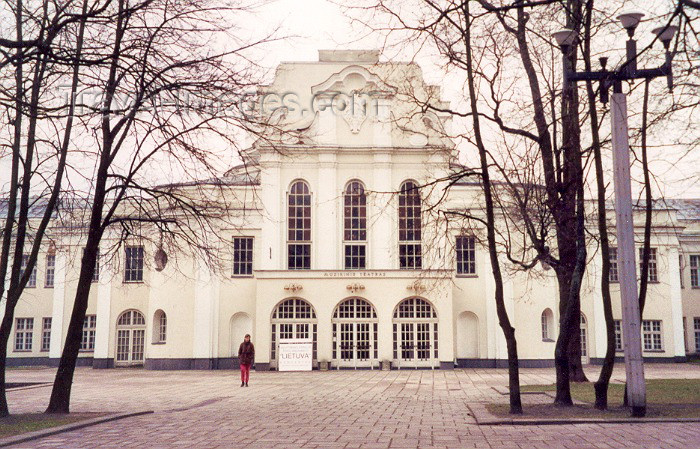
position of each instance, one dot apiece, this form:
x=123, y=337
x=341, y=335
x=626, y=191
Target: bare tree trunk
x=503, y=320
x=61, y=392
x=11, y=209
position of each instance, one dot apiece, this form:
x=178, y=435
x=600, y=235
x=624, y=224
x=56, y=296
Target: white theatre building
x=332, y=241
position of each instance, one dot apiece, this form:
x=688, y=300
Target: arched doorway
x=240, y=325
x=585, y=357
x=293, y=319
x=415, y=329
x=131, y=332
x=467, y=336
x=355, y=334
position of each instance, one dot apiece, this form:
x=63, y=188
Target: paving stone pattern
x=335, y=409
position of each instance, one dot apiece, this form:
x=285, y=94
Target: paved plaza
x=336, y=409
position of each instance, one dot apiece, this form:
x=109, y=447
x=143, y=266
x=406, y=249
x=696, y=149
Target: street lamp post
x=631, y=317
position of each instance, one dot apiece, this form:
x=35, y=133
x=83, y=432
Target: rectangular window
x=466, y=255
x=696, y=326
x=653, y=273
x=96, y=273
x=614, y=277
x=45, y=333
x=410, y=256
x=695, y=271
x=242, y=256
x=651, y=335
x=50, y=270
x=299, y=256
x=24, y=328
x=545, y=327
x=680, y=269
x=133, y=269
x=31, y=283
x=355, y=257
x=89, y=326
x=618, y=336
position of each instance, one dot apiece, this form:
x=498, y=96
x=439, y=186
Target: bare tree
x=148, y=52
x=34, y=183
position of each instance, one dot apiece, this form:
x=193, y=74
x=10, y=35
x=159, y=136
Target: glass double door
x=417, y=344
x=355, y=344
x=130, y=346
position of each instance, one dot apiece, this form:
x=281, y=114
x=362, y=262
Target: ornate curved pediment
x=354, y=79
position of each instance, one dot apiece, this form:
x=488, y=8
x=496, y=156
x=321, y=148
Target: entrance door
x=131, y=333
x=415, y=334
x=292, y=319
x=355, y=334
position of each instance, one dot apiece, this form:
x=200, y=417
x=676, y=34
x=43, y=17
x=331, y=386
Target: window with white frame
x=696, y=328
x=89, y=327
x=242, y=256
x=31, y=283
x=45, y=333
x=466, y=254
x=410, y=249
x=355, y=226
x=96, y=273
x=133, y=268
x=651, y=335
x=618, y=336
x=50, y=270
x=299, y=227
x=547, y=319
x=653, y=272
x=614, y=276
x=24, y=329
x=695, y=271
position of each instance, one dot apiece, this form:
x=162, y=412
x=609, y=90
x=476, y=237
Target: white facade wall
x=208, y=309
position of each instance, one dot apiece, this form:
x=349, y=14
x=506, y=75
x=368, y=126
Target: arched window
x=547, y=320
x=410, y=251
x=299, y=227
x=293, y=319
x=160, y=327
x=415, y=329
x=355, y=226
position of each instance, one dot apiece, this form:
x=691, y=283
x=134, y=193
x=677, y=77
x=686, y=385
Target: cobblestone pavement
x=337, y=409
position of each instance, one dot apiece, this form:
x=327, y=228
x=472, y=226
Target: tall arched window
x=355, y=226
x=160, y=327
x=410, y=251
x=299, y=227
x=547, y=320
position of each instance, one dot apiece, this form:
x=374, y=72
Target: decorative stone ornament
x=354, y=288
x=417, y=286
x=293, y=288
x=160, y=258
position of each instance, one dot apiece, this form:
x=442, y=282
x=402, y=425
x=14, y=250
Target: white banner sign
x=295, y=355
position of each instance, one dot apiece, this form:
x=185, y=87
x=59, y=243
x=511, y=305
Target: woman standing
x=246, y=355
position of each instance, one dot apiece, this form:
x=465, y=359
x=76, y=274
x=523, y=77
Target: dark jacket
x=246, y=353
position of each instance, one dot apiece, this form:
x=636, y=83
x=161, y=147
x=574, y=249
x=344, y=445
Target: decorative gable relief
x=353, y=93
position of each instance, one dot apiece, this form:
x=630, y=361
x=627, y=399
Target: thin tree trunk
x=601, y=385
x=503, y=320
x=61, y=392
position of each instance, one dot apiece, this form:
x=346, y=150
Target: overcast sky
x=322, y=24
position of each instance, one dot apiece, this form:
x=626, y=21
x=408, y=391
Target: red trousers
x=245, y=372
